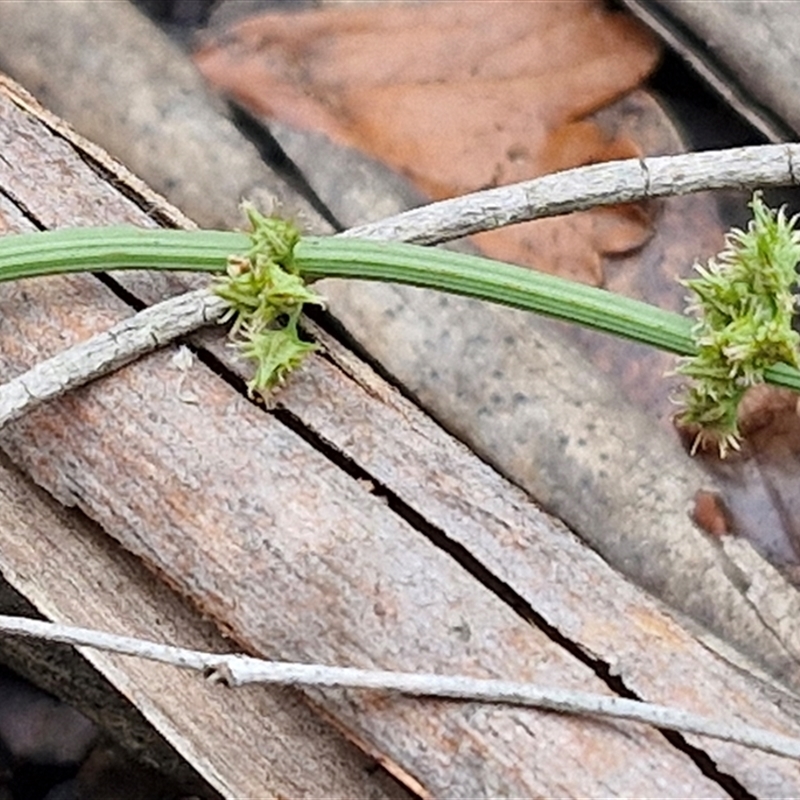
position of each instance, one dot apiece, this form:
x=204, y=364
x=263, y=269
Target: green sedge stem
x=29, y=255
x=498, y=282
x=105, y=249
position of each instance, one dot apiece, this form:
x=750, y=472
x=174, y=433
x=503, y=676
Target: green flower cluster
x=744, y=304
x=266, y=297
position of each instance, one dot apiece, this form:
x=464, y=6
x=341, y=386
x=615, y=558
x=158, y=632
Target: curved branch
x=134, y=336
x=584, y=187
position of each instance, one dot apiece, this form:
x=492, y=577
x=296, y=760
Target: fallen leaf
x=458, y=97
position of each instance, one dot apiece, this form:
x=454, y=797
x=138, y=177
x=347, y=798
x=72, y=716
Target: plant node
x=266, y=296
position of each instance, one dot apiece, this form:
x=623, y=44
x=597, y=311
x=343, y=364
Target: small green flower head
x=272, y=238
x=266, y=295
x=744, y=306
x=276, y=353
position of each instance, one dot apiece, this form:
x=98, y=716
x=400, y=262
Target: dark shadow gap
x=258, y=134
x=22, y=208
x=704, y=81
x=120, y=291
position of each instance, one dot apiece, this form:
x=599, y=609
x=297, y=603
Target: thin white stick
x=584, y=187
x=575, y=189
x=239, y=670
x=101, y=354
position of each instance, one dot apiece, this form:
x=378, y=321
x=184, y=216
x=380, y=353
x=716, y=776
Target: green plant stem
x=29, y=255
x=104, y=249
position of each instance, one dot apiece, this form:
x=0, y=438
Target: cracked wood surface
x=252, y=744
x=297, y=556
x=502, y=381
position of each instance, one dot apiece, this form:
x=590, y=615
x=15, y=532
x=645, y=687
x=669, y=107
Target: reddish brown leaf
x=458, y=97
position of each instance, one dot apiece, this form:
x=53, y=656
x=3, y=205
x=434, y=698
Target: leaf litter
x=413, y=86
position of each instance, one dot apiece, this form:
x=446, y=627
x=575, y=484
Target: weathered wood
x=251, y=744
x=296, y=558
x=748, y=50
x=485, y=383
x=522, y=396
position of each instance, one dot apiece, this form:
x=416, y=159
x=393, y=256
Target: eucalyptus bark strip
x=133, y=337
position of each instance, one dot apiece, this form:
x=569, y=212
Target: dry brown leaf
x=458, y=97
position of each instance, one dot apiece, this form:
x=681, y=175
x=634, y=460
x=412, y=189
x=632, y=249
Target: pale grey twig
x=239, y=670
x=584, y=187
x=134, y=336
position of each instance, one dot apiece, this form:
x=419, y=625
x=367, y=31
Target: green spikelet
x=266, y=297
x=744, y=305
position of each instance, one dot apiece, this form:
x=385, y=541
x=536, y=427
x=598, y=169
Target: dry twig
x=134, y=336
x=584, y=187
x=239, y=670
